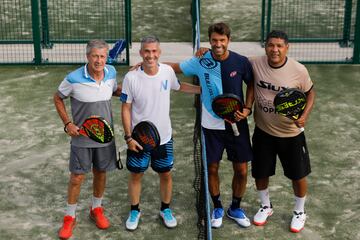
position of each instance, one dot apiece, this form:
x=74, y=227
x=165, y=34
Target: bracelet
x=127, y=138
x=65, y=130
x=248, y=108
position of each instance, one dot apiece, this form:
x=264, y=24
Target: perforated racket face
x=226, y=105
x=290, y=103
x=97, y=129
x=147, y=135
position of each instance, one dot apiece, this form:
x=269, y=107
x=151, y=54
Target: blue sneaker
x=216, y=217
x=238, y=215
x=133, y=220
x=168, y=218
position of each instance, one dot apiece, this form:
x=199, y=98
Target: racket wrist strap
x=65, y=126
x=248, y=108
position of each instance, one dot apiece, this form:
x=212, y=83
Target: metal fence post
x=36, y=31
x=347, y=24
x=356, y=55
x=45, y=24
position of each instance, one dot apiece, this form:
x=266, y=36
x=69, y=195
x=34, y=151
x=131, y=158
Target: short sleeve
x=126, y=95
x=175, y=83
x=65, y=88
x=189, y=67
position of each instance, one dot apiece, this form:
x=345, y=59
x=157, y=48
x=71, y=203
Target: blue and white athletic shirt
x=88, y=98
x=216, y=78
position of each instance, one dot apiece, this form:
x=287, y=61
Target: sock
x=164, y=206
x=299, y=204
x=70, y=210
x=264, y=197
x=235, y=203
x=96, y=202
x=135, y=207
x=216, y=201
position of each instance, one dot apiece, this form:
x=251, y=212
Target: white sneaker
x=298, y=222
x=133, y=220
x=261, y=216
x=216, y=217
x=168, y=218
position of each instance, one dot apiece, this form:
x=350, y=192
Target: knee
x=76, y=179
x=241, y=172
x=166, y=176
x=212, y=170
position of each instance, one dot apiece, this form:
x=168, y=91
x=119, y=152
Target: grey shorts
x=83, y=159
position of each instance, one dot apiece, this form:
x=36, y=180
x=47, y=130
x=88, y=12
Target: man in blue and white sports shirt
x=90, y=89
x=222, y=71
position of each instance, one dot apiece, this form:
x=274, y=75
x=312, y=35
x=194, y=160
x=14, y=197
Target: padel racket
x=97, y=129
x=147, y=135
x=225, y=106
x=290, y=103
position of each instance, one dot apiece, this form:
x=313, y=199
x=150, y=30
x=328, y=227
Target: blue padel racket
x=97, y=129
x=147, y=135
x=225, y=106
x=290, y=103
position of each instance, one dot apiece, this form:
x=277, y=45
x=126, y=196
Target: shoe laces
x=68, y=221
x=167, y=214
x=218, y=212
x=133, y=215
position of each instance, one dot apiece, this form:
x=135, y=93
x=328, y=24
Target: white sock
x=299, y=204
x=264, y=197
x=70, y=210
x=96, y=202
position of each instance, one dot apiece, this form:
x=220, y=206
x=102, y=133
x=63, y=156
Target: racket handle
x=235, y=129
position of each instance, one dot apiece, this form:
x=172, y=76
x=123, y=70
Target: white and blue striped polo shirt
x=88, y=98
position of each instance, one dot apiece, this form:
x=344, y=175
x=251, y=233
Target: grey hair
x=96, y=43
x=149, y=39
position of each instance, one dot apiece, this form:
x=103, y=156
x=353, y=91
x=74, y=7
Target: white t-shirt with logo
x=150, y=98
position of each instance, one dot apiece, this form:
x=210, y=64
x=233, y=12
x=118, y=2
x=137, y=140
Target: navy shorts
x=238, y=148
x=292, y=151
x=162, y=159
x=83, y=159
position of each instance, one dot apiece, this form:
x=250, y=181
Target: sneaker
x=298, y=222
x=97, y=215
x=133, y=220
x=261, y=216
x=238, y=215
x=168, y=218
x=65, y=232
x=216, y=217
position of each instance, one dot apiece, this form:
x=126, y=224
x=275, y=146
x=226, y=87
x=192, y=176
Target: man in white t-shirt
x=146, y=97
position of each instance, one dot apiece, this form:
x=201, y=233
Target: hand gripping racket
x=147, y=135
x=225, y=106
x=290, y=103
x=97, y=129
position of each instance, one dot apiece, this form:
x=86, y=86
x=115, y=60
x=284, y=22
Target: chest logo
x=233, y=74
x=164, y=85
x=208, y=63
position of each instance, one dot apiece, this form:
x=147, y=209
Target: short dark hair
x=277, y=34
x=220, y=28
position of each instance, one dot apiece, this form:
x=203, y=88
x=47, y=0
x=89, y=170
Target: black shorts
x=292, y=151
x=238, y=148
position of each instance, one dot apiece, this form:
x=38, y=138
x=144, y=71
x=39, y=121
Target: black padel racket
x=97, y=129
x=147, y=135
x=225, y=106
x=290, y=103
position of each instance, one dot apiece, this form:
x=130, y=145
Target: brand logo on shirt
x=164, y=85
x=208, y=63
x=270, y=86
x=233, y=74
